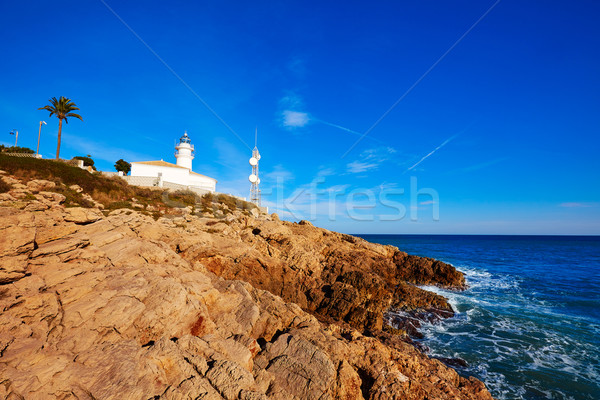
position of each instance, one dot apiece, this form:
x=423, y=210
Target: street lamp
x=16, y=133
x=37, y=153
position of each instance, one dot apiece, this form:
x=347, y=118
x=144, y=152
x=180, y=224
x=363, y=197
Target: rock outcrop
x=332, y=275
x=119, y=306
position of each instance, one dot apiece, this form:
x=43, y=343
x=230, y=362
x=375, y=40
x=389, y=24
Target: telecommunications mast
x=253, y=178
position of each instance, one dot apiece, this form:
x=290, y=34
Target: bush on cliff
x=105, y=190
x=87, y=161
x=16, y=149
x=211, y=202
x=113, y=192
x=183, y=198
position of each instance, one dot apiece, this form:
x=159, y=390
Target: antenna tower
x=253, y=178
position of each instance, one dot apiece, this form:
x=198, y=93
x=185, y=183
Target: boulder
x=82, y=216
x=37, y=185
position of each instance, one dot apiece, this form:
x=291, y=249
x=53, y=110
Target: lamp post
x=16, y=133
x=37, y=153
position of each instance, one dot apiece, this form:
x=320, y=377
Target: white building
x=174, y=176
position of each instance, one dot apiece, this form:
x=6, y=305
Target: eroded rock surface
x=122, y=306
x=332, y=275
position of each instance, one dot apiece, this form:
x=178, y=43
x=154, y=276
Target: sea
x=529, y=323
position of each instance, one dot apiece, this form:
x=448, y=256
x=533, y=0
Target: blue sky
x=501, y=136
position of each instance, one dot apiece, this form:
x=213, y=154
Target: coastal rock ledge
x=118, y=305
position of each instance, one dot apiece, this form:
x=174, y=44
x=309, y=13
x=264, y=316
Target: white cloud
x=356, y=167
x=290, y=117
x=323, y=172
x=295, y=119
x=337, y=188
x=378, y=152
x=370, y=159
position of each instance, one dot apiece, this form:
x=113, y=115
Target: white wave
x=499, y=323
x=481, y=279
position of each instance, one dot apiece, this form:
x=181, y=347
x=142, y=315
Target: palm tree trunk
x=59, y=133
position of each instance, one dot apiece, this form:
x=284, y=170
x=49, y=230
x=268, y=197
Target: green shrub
x=105, y=190
x=112, y=192
x=119, y=204
x=211, y=201
x=87, y=161
x=16, y=149
x=183, y=197
x=72, y=198
x=123, y=166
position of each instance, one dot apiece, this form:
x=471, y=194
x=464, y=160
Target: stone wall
x=147, y=181
x=111, y=173
x=151, y=181
x=24, y=155
x=176, y=186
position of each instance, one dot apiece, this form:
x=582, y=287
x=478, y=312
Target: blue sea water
x=529, y=324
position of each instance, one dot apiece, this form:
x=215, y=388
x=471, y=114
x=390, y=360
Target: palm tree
x=62, y=108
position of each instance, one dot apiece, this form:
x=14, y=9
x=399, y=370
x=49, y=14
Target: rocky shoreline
x=111, y=305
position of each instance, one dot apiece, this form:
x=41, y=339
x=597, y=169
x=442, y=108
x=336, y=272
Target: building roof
x=195, y=173
x=162, y=163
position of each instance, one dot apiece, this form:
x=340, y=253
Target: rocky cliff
x=118, y=305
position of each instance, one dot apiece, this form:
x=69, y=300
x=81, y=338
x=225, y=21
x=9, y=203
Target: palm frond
x=62, y=108
x=74, y=115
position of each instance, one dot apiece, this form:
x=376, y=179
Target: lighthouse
x=173, y=176
x=184, y=152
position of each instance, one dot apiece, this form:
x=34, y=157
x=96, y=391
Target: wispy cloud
x=479, y=166
x=431, y=153
x=325, y=171
x=337, y=188
x=356, y=167
x=297, y=66
x=101, y=151
x=370, y=159
x=577, y=205
x=279, y=171
x=291, y=101
x=278, y=177
x=343, y=128
x=291, y=117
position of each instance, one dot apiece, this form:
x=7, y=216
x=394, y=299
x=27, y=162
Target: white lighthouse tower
x=184, y=152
